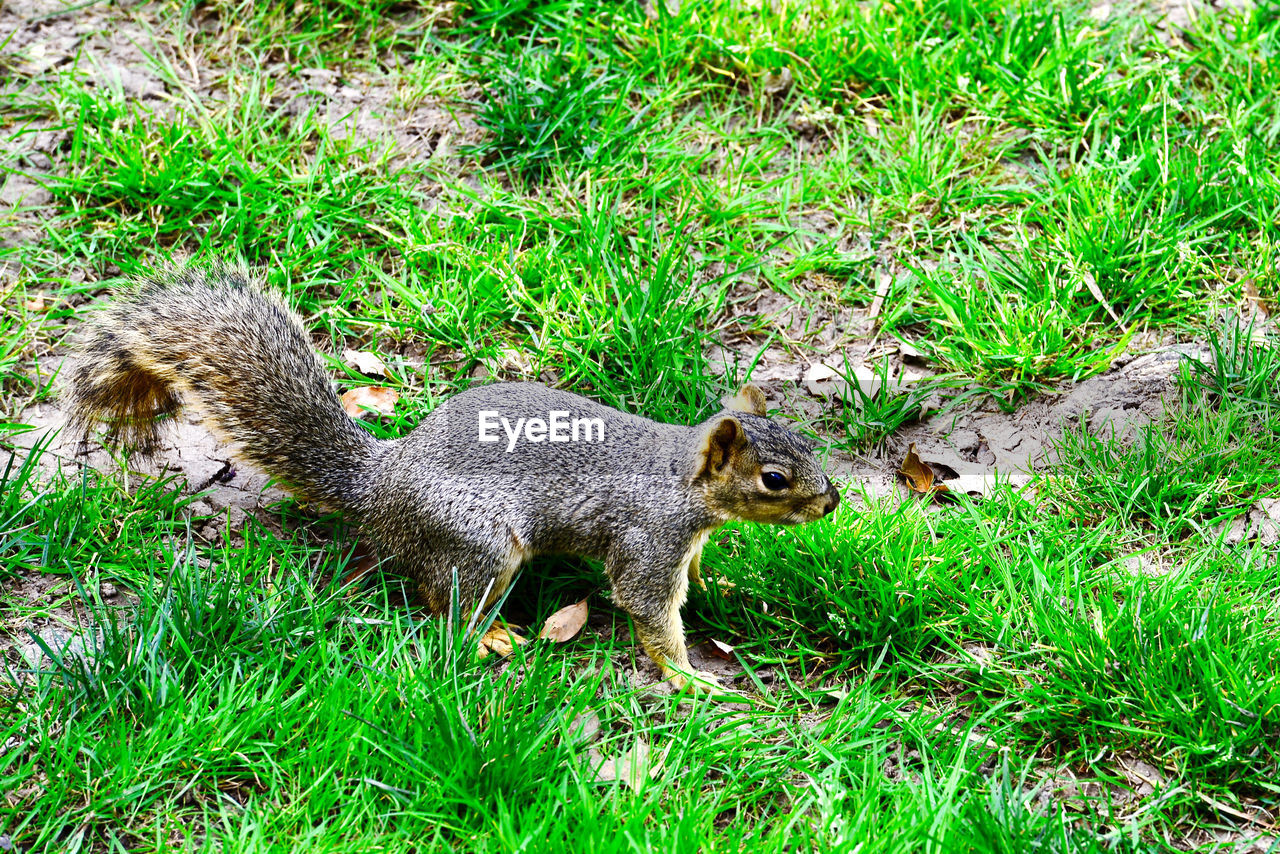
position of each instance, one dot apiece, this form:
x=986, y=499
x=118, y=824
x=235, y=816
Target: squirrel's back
x=560, y=469
x=207, y=338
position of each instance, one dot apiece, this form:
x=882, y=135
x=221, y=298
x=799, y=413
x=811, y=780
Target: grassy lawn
x=1000, y=203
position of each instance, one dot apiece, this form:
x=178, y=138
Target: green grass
x=874, y=406
x=1041, y=188
x=550, y=113
x=1208, y=465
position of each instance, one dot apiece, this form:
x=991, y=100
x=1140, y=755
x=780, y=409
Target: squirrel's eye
x=773, y=480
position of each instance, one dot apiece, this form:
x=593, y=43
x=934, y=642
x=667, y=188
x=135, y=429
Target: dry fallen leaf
x=358, y=401
x=365, y=362
x=983, y=484
x=501, y=640
x=919, y=475
x=822, y=379
x=37, y=303
x=631, y=766
x=364, y=562
x=1096, y=292
x=565, y=624
x=1253, y=295
x=722, y=650
x=911, y=353
x=825, y=381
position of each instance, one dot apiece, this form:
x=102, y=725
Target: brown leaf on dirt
x=357, y=401
x=1253, y=295
x=565, y=624
x=721, y=650
x=631, y=766
x=919, y=474
x=500, y=640
x=584, y=728
x=363, y=562
x=365, y=362
x=38, y=302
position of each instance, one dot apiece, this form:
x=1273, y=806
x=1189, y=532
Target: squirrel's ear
x=723, y=441
x=749, y=399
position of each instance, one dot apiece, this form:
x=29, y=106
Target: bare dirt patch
x=186, y=449
x=40, y=610
x=970, y=443
x=120, y=50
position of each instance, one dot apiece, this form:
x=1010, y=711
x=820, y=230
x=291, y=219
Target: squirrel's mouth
x=815, y=510
x=803, y=515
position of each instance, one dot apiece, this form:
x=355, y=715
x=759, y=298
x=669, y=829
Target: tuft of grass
x=20, y=496
x=849, y=587
x=244, y=178
x=220, y=681
x=29, y=317
x=1243, y=368
x=1014, y=323
x=90, y=524
x=1146, y=244
x=1204, y=465
x=549, y=113
x=874, y=407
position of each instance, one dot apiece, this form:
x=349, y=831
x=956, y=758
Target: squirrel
x=462, y=493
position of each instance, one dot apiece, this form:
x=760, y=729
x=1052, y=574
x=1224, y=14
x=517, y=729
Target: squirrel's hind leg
x=484, y=569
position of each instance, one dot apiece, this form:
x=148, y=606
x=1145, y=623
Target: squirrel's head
x=756, y=470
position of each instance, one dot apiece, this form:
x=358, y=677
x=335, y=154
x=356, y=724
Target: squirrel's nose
x=833, y=499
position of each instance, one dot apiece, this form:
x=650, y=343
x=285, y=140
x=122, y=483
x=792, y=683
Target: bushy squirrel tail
x=207, y=338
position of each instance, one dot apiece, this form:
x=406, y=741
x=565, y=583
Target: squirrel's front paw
x=697, y=682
